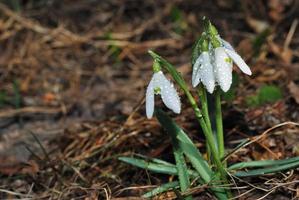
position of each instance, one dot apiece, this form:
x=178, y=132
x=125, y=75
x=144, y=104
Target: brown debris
x=81, y=68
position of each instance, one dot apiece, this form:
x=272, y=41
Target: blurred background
x=73, y=75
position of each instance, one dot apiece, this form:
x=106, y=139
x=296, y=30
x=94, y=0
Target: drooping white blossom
x=216, y=67
x=159, y=84
x=223, y=69
x=236, y=57
x=203, y=72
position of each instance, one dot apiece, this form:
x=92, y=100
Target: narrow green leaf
x=269, y=170
x=189, y=149
x=263, y=163
x=243, y=143
x=181, y=166
x=155, y=160
x=191, y=152
x=161, y=189
x=158, y=168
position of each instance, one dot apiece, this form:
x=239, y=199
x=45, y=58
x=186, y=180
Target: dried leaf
x=294, y=90
x=257, y=25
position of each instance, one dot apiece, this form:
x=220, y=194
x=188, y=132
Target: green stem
x=204, y=103
x=219, y=125
x=205, y=111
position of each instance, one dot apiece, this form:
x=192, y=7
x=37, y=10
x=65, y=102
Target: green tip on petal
x=212, y=32
x=205, y=45
x=156, y=66
x=157, y=90
x=212, y=29
x=214, y=36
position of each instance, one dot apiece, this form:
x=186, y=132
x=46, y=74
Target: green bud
x=212, y=33
x=156, y=66
x=212, y=29
x=204, y=45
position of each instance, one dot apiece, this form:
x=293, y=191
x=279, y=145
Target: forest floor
x=72, y=84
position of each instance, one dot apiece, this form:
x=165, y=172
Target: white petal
x=239, y=61
x=227, y=45
x=223, y=69
x=195, y=75
x=150, y=99
x=206, y=72
x=169, y=95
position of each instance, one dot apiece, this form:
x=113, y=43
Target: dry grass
x=81, y=70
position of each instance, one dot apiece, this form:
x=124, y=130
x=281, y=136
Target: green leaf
x=161, y=189
x=185, y=143
x=155, y=167
x=268, y=170
x=156, y=160
x=263, y=163
x=181, y=166
x=190, y=150
x=158, y=168
x=266, y=94
x=269, y=94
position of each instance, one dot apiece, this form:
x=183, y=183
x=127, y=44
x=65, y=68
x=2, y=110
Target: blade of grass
x=269, y=170
x=181, y=166
x=158, y=168
x=263, y=163
x=155, y=160
x=161, y=189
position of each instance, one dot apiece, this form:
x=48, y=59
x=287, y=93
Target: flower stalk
x=205, y=111
x=219, y=125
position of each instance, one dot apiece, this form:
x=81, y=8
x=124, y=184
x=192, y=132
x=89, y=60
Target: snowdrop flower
x=236, y=57
x=224, y=56
x=203, y=71
x=215, y=63
x=159, y=84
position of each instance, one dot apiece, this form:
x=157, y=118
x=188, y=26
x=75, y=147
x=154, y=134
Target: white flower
x=203, y=71
x=216, y=67
x=159, y=84
x=223, y=69
x=236, y=57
